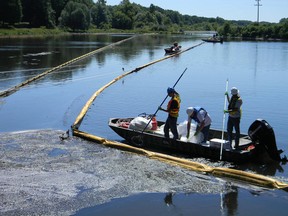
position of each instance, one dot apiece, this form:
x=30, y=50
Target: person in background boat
x=203, y=119
x=173, y=108
x=175, y=47
x=234, y=110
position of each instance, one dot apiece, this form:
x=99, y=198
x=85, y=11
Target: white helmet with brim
x=234, y=91
x=189, y=110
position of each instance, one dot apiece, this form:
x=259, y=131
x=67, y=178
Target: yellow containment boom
x=94, y=96
x=17, y=87
x=238, y=175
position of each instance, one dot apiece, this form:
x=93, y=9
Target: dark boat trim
x=212, y=40
x=170, y=51
x=249, y=150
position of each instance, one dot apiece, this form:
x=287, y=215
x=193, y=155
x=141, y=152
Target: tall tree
x=75, y=16
x=283, y=33
x=146, y=19
x=38, y=13
x=88, y=3
x=100, y=14
x=226, y=29
x=174, y=16
x=10, y=11
x=58, y=6
x=121, y=21
x=124, y=15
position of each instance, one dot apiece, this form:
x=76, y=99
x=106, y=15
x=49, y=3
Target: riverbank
x=38, y=32
x=16, y=32
x=43, y=32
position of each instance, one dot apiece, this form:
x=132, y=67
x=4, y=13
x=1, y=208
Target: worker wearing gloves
x=203, y=119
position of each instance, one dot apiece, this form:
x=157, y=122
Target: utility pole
x=258, y=5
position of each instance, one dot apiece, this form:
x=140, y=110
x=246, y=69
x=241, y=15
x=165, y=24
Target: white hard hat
x=189, y=110
x=234, y=91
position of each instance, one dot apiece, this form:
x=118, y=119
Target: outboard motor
x=261, y=132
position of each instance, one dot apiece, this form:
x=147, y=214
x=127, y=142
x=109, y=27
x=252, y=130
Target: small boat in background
x=214, y=39
x=170, y=51
x=173, y=49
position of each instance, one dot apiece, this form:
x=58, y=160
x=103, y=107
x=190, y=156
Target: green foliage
x=146, y=19
x=100, y=15
x=29, y=31
x=127, y=8
x=88, y=3
x=283, y=32
x=10, y=11
x=80, y=15
x=174, y=16
x=121, y=21
x=226, y=29
x=58, y=6
x=38, y=13
x=123, y=15
x=75, y=16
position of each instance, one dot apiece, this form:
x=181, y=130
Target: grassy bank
x=15, y=32
x=18, y=32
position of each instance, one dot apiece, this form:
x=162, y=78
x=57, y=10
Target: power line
x=258, y=5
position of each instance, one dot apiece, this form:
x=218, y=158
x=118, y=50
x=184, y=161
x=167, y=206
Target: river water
x=258, y=69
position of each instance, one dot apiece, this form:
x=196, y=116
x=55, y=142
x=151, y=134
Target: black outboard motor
x=261, y=132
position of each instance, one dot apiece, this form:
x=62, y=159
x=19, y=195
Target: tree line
x=84, y=15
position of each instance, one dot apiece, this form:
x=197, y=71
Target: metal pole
x=223, y=125
x=258, y=5
x=164, y=100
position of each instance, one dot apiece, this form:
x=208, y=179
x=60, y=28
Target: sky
x=270, y=11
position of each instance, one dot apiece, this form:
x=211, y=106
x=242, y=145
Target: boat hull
x=248, y=152
x=213, y=40
x=169, y=51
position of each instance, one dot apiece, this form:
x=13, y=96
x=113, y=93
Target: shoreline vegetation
x=45, y=32
x=53, y=17
x=15, y=32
